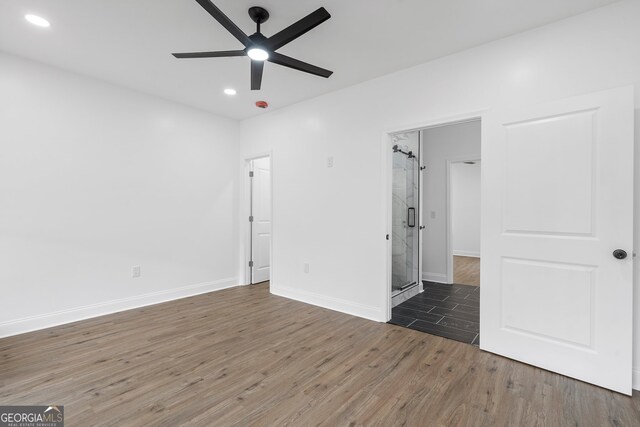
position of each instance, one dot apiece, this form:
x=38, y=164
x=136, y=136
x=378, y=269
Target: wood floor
x=466, y=270
x=244, y=357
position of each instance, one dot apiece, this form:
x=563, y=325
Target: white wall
x=465, y=209
x=95, y=179
x=441, y=145
x=335, y=218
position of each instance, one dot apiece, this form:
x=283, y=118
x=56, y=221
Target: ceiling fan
x=260, y=48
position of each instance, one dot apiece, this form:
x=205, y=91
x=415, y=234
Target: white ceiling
x=129, y=42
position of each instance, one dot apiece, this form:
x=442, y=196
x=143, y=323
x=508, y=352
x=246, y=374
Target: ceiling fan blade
x=225, y=21
x=217, y=54
x=286, y=61
x=256, y=74
x=297, y=29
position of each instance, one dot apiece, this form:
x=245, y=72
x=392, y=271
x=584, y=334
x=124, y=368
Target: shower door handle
x=411, y=217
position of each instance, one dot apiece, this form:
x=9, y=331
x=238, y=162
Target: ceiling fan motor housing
x=258, y=39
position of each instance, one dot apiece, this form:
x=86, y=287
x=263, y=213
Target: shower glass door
x=404, y=239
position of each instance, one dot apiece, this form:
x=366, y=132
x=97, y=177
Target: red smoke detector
x=262, y=104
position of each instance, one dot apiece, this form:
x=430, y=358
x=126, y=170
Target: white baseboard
x=636, y=378
x=47, y=320
x=435, y=277
x=465, y=253
x=336, y=304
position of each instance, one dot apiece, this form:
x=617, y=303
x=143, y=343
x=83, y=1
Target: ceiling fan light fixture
x=258, y=54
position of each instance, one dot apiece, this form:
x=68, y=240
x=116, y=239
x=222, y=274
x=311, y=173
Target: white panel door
x=557, y=201
x=261, y=225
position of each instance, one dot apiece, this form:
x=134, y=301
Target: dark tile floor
x=450, y=311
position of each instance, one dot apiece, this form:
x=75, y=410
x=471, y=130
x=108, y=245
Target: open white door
x=557, y=201
x=261, y=220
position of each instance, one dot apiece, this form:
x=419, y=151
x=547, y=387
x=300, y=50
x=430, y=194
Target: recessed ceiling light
x=230, y=91
x=258, y=54
x=37, y=20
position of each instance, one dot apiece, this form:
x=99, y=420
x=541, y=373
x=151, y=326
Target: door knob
x=620, y=254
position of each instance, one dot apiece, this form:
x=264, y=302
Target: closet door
x=261, y=225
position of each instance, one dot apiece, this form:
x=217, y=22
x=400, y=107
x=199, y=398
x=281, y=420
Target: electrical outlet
x=306, y=267
x=135, y=271
x=330, y=161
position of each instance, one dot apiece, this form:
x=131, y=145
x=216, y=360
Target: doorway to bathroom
x=435, y=223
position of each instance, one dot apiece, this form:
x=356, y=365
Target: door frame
x=245, y=209
x=449, y=219
x=387, y=178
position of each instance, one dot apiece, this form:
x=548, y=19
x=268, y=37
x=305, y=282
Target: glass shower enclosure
x=404, y=214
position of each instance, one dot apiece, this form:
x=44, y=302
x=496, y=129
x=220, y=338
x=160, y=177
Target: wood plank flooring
x=466, y=270
x=244, y=357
